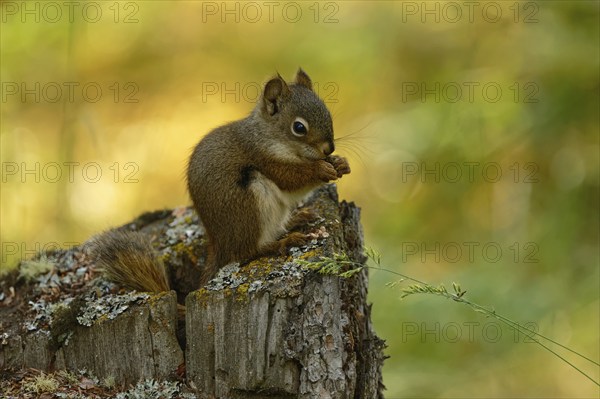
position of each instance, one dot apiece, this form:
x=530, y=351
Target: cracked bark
x=301, y=336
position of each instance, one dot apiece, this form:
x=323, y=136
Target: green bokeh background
x=425, y=152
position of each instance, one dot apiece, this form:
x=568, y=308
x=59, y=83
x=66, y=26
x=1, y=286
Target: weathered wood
x=301, y=346
x=138, y=344
x=268, y=328
x=299, y=334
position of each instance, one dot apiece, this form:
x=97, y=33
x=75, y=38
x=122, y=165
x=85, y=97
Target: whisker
x=358, y=152
x=358, y=157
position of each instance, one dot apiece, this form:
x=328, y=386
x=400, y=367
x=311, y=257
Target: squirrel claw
x=295, y=239
x=340, y=164
x=326, y=171
x=301, y=218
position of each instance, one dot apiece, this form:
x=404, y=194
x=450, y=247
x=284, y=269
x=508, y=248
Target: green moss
x=259, y=268
x=155, y=298
x=310, y=255
x=201, y=296
x=242, y=292
x=64, y=322
x=180, y=250
x=101, y=319
x=42, y=384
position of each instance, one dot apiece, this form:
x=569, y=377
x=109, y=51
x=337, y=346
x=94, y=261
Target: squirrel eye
x=299, y=127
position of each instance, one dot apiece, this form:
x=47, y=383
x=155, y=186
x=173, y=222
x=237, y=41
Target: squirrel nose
x=328, y=148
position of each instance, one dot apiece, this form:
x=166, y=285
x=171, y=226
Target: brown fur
x=128, y=259
x=245, y=176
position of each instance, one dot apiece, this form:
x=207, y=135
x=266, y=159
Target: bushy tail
x=128, y=259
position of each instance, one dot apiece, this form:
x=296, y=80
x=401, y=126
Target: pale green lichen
x=109, y=307
x=29, y=270
x=150, y=389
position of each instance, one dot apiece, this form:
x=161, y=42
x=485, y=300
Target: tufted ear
x=303, y=80
x=275, y=91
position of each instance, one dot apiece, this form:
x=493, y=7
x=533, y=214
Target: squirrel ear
x=303, y=79
x=275, y=90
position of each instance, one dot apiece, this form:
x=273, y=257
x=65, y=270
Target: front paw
x=295, y=239
x=340, y=164
x=326, y=171
x=301, y=218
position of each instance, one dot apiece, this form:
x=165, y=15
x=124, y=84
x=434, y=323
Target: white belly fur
x=275, y=206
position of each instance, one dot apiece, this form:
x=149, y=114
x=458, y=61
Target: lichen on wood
x=268, y=327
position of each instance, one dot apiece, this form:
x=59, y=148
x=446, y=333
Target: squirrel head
x=295, y=116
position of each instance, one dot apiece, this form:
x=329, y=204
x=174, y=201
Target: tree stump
x=267, y=328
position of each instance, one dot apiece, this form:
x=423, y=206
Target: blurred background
x=471, y=128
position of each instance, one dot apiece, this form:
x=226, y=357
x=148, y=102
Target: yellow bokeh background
x=471, y=128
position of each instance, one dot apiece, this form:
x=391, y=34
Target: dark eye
x=299, y=127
